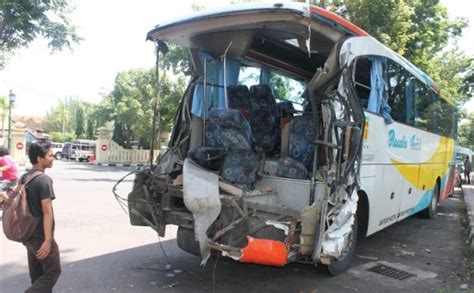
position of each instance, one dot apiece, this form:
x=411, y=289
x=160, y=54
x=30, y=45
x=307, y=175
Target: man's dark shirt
x=38, y=189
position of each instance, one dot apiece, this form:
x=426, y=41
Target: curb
x=468, y=194
x=470, y=229
x=119, y=165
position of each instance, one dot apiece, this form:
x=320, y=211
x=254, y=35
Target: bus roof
x=331, y=27
x=291, y=7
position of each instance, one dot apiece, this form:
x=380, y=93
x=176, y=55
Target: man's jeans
x=43, y=273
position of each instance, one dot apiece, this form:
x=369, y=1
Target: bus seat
x=286, y=112
x=264, y=117
x=299, y=162
x=286, y=109
x=239, y=98
x=228, y=147
x=227, y=128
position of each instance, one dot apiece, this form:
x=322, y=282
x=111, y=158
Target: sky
x=114, y=40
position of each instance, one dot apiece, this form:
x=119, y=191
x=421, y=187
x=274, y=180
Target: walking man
x=42, y=250
x=467, y=170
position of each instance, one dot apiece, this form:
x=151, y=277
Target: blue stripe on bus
x=426, y=199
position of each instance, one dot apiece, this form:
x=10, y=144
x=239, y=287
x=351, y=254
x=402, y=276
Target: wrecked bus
x=356, y=139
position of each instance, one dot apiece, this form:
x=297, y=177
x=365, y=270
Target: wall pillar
x=18, y=151
x=103, y=145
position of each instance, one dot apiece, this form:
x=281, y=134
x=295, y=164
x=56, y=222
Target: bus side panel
x=434, y=168
x=411, y=195
x=385, y=201
x=368, y=181
x=385, y=193
x=407, y=163
x=448, y=182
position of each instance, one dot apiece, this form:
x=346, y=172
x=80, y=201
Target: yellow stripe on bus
x=423, y=175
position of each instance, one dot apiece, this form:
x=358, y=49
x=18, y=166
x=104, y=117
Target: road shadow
x=430, y=245
x=143, y=269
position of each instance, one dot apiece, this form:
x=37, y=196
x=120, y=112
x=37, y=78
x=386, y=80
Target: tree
x=98, y=116
x=22, y=21
x=80, y=131
x=3, y=111
x=176, y=59
x=466, y=132
x=63, y=117
x=131, y=104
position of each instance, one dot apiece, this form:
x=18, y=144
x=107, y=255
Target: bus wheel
x=432, y=209
x=339, y=266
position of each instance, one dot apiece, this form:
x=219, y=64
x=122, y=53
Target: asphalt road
x=102, y=252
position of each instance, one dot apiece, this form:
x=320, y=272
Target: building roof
x=30, y=122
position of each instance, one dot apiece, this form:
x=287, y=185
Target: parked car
x=57, y=148
x=67, y=149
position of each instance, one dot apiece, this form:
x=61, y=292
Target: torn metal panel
x=279, y=225
x=201, y=197
x=336, y=238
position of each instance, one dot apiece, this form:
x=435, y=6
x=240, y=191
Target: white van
x=57, y=148
x=82, y=150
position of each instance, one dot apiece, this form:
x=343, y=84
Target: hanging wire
x=214, y=274
x=121, y=200
x=163, y=250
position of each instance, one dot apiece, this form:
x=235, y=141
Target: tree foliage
x=22, y=21
x=80, y=123
x=132, y=101
x=466, y=132
x=74, y=118
x=3, y=110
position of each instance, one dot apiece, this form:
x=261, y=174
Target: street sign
x=104, y=147
x=19, y=145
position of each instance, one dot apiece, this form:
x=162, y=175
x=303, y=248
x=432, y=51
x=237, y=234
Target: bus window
x=412, y=91
x=398, y=78
x=287, y=89
x=425, y=119
x=362, y=80
x=249, y=76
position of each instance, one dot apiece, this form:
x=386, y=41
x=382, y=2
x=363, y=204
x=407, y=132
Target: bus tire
x=186, y=241
x=341, y=265
x=432, y=209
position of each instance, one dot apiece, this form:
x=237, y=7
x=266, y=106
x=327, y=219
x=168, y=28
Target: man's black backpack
x=18, y=222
